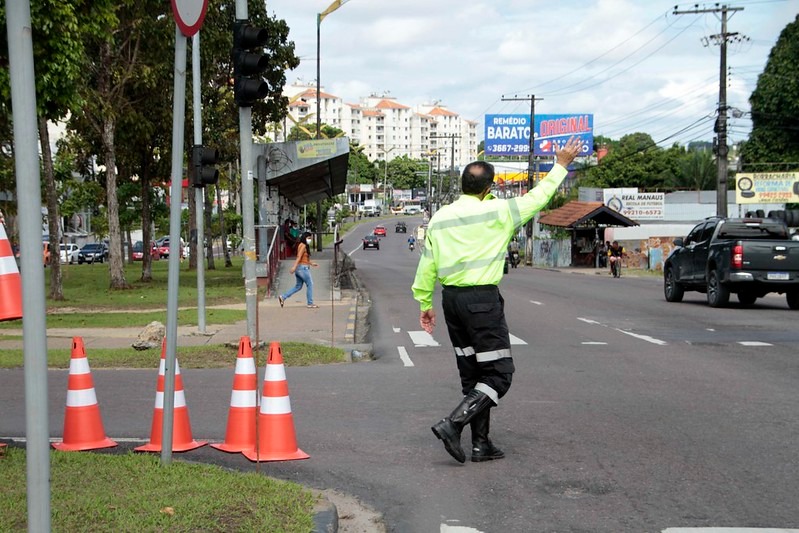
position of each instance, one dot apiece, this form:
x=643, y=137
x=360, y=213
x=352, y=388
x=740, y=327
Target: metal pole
x=247, y=203
x=199, y=192
x=178, y=121
x=721, y=189
x=34, y=330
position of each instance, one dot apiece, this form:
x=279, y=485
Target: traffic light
x=202, y=170
x=248, y=63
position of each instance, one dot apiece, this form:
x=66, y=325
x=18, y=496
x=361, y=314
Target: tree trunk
x=56, y=289
x=115, y=264
x=222, y=228
x=146, y=237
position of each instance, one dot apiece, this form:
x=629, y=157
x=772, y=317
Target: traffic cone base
x=276, y=438
x=83, y=425
x=182, y=440
x=240, y=433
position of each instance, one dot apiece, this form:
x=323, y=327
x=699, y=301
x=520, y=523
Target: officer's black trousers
x=478, y=331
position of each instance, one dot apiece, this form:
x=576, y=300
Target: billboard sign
x=510, y=134
x=767, y=188
x=635, y=205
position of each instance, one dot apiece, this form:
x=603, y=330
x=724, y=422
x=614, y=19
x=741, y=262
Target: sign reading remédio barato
x=510, y=134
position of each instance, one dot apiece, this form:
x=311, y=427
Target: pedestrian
x=302, y=272
x=465, y=246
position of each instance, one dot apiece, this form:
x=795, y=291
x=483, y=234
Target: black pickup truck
x=750, y=257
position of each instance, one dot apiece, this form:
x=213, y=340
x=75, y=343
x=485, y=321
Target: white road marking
x=422, y=338
x=646, y=338
x=710, y=329
x=536, y=303
x=403, y=353
x=595, y=343
x=445, y=528
x=754, y=343
x=516, y=340
x=397, y=330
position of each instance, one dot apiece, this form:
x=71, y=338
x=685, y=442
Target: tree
x=773, y=144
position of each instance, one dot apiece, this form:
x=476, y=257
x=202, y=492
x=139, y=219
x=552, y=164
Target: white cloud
x=633, y=64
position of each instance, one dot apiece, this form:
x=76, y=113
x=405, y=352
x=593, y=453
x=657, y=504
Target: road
x=627, y=413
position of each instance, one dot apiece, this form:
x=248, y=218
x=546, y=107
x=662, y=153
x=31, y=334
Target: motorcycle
x=410, y=246
x=514, y=259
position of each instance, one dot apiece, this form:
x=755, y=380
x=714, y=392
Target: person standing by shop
x=302, y=272
x=465, y=246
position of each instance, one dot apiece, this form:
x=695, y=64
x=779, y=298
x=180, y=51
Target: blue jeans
x=303, y=276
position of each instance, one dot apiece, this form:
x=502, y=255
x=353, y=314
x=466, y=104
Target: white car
x=69, y=253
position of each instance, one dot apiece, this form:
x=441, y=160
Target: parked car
x=380, y=230
x=371, y=241
x=94, y=252
x=138, y=251
x=69, y=253
x=163, y=247
x=400, y=228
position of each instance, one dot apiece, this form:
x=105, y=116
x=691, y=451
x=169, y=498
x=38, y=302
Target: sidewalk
x=333, y=324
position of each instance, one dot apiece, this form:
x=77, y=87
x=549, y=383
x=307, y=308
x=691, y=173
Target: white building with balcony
x=388, y=129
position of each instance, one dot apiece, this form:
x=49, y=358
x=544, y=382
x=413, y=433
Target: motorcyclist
x=411, y=242
x=513, y=252
x=615, y=253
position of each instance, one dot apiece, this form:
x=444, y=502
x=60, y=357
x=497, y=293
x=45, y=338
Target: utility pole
x=453, y=182
x=721, y=121
x=528, y=255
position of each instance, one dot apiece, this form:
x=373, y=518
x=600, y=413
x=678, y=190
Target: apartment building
x=387, y=128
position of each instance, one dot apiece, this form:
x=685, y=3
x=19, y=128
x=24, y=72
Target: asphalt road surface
x=627, y=413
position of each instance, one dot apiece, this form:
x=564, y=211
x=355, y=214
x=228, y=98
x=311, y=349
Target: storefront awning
x=578, y=214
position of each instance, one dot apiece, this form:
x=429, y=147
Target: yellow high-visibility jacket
x=466, y=241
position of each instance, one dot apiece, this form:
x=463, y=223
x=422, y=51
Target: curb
x=325, y=515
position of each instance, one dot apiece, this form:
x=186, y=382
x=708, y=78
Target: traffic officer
x=465, y=246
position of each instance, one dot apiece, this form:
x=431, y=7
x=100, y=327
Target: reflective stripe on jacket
x=466, y=241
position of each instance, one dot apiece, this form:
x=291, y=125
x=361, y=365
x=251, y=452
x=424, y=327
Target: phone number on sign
x=509, y=149
x=650, y=213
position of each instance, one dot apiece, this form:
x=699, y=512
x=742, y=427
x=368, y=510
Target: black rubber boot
x=482, y=447
x=449, y=429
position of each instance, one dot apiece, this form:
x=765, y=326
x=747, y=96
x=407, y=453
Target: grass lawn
x=133, y=492
x=210, y=356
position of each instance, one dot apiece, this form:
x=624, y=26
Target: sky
x=633, y=64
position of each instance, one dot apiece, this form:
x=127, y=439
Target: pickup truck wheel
x=747, y=298
x=672, y=290
x=717, y=294
x=793, y=299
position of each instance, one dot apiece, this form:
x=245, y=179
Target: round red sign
x=189, y=15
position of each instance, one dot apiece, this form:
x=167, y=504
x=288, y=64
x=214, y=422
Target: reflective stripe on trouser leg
x=479, y=333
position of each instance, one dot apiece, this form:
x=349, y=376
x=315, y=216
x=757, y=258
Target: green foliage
x=775, y=108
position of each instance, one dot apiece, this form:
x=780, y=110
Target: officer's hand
x=428, y=320
x=569, y=151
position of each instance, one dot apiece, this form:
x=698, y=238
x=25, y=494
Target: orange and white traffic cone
x=83, y=426
x=10, y=281
x=240, y=433
x=182, y=440
x=276, y=439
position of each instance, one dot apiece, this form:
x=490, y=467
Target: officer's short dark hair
x=476, y=177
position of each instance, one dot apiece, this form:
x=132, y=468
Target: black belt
x=467, y=288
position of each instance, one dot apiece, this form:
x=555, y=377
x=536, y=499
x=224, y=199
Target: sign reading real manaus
x=510, y=134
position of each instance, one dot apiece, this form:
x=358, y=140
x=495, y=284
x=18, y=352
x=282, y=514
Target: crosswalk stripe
x=422, y=338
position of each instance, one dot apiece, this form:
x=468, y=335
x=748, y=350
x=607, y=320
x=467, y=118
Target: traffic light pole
x=247, y=202
x=199, y=192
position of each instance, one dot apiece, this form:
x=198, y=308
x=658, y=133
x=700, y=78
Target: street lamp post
x=319, y=17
